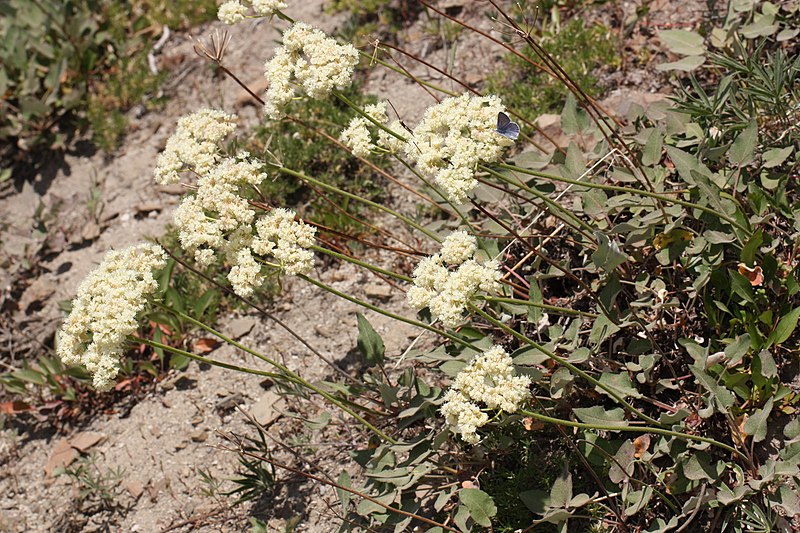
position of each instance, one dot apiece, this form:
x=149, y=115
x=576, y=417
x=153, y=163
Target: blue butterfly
x=506, y=128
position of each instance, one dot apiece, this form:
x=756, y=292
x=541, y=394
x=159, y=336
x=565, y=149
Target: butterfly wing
x=511, y=131
x=502, y=121
x=506, y=128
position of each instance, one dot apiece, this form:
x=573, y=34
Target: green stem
x=616, y=188
x=214, y=362
x=555, y=309
x=551, y=204
x=360, y=263
x=635, y=429
x=393, y=316
x=295, y=377
x=560, y=360
x=357, y=198
x=357, y=109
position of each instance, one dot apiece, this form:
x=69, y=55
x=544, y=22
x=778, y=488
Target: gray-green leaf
x=743, y=148
x=370, y=343
x=775, y=156
x=344, y=496
x=598, y=416
x=683, y=42
x=756, y=425
x=687, y=64
x=481, y=506
x=785, y=327
x=608, y=255
x=619, y=383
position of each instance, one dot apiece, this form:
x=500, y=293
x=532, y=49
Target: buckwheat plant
x=615, y=312
x=105, y=310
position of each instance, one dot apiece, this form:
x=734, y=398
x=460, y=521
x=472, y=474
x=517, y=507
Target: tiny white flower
x=308, y=59
x=445, y=292
x=488, y=380
x=453, y=138
x=105, y=309
x=231, y=12
x=267, y=7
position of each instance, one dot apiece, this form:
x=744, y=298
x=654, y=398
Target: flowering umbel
x=105, y=309
x=357, y=135
x=234, y=11
x=453, y=137
x=194, y=145
x=308, y=59
x=447, y=292
x=488, y=380
x=218, y=219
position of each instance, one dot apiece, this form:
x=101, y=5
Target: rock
x=134, y=487
x=322, y=331
x=36, y=295
x=241, y=326
x=244, y=98
x=267, y=409
x=149, y=207
x=174, y=190
x=380, y=291
x=155, y=487
x=91, y=231
x=86, y=439
x=621, y=100
x=63, y=455
x=201, y=435
x=226, y=404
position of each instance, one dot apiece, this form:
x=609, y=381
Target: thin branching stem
x=296, y=377
x=635, y=429
x=357, y=198
x=546, y=307
x=615, y=188
x=563, y=362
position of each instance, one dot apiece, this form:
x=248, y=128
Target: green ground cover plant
x=613, y=325
x=73, y=64
x=581, y=51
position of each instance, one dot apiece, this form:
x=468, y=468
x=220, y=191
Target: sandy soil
x=164, y=441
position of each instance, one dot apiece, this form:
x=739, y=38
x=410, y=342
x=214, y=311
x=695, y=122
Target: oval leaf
x=370, y=343
x=481, y=506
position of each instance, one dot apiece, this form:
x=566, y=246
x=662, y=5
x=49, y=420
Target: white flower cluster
x=218, y=219
x=311, y=59
x=357, y=135
x=193, y=146
x=286, y=240
x=234, y=11
x=489, y=380
x=105, y=308
x=447, y=292
x=453, y=137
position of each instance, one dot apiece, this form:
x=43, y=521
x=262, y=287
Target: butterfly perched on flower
x=506, y=127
